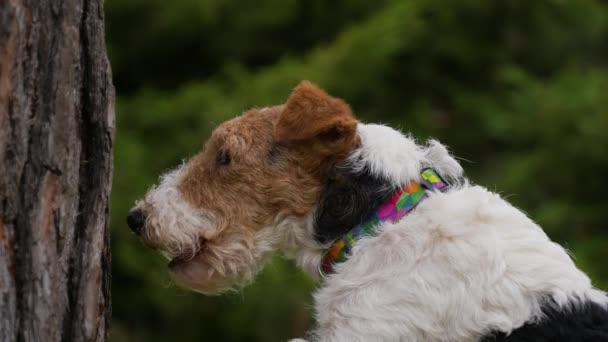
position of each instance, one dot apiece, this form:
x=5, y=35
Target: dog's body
x=464, y=265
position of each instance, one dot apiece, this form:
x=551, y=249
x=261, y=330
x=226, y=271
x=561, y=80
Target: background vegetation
x=518, y=89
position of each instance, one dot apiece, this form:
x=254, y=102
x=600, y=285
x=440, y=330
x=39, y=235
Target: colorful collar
x=404, y=201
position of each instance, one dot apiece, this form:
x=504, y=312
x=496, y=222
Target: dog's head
x=293, y=177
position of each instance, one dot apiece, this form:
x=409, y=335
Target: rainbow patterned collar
x=399, y=205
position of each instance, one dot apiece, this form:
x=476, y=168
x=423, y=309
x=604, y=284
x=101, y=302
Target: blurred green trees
x=519, y=90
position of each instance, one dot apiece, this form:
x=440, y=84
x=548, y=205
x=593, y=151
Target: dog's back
x=464, y=266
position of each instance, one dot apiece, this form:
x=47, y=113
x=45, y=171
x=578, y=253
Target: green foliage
x=517, y=88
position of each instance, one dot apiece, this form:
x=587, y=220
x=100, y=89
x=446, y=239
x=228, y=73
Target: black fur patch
x=584, y=323
x=349, y=198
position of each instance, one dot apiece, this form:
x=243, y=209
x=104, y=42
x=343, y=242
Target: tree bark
x=56, y=136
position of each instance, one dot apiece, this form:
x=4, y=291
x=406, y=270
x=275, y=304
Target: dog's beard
x=227, y=263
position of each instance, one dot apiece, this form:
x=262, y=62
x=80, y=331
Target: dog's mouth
x=187, y=256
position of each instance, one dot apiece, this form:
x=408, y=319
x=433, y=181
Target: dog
x=404, y=247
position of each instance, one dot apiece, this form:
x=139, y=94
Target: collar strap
x=399, y=205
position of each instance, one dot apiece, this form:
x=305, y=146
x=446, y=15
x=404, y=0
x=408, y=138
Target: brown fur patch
x=276, y=157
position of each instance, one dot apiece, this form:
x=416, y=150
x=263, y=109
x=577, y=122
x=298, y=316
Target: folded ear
x=311, y=115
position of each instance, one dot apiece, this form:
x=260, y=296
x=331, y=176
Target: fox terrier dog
x=405, y=249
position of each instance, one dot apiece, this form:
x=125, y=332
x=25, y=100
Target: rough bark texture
x=56, y=134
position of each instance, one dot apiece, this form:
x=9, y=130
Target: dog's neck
x=396, y=207
x=385, y=162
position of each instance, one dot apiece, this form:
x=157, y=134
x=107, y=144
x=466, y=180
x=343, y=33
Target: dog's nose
x=136, y=221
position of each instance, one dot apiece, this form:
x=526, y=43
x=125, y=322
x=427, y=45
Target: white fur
x=462, y=264
x=293, y=236
x=296, y=243
x=396, y=157
x=172, y=221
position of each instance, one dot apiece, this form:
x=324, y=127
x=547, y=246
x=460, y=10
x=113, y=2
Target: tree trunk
x=56, y=135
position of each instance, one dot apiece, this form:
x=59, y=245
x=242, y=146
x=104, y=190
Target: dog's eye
x=223, y=158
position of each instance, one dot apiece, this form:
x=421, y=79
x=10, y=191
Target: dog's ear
x=312, y=116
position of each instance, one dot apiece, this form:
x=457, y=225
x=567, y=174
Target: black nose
x=136, y=221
